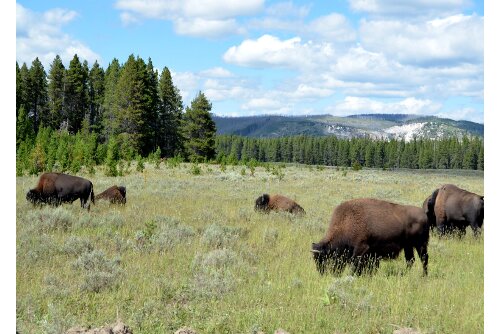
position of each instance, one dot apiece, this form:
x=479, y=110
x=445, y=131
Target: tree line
x=446, y=153
x=128, y=105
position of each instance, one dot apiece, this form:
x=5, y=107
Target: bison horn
x=315, y=251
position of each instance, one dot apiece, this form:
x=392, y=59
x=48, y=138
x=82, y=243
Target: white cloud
x=40, y=35
x=452, y=40
x=287, y=9
x=201, y=18
x=128, y=19
x=217, y=72
x=409, y=8
x=199, y=27
x=357, y=105
x=332, y=27
x=270, y=51
x=262, y=103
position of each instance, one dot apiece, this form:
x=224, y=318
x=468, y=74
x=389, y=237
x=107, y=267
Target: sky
x=257, y=57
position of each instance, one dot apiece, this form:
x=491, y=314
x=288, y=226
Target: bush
x=213, y=273
x=195, y=169
x=170, y=233
x=77, y=246
x=51, y=219
x=356, y=166
x=99, y=273
x=221, y=236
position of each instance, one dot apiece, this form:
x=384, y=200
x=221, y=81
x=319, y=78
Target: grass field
x=189, y=250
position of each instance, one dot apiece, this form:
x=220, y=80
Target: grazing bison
x=363, y=231
x=453, y=209
x=114, y=194
x=57, y=188
x=268, y=203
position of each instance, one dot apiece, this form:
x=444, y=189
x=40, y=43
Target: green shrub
x=98, y=272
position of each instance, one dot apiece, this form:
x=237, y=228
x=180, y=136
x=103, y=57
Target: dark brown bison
x=364, y=231
x=268, y=203
x=453, y=209
x=114, y=194
x=57, y=188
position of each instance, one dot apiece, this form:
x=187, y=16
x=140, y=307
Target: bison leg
x=424, y=257
x=360, y=259
x=410, y=259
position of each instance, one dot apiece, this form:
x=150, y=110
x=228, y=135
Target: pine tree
x=56, y=93
x=75, y=95
x=96, y=97
x=110, y=104
x=24, y=128
x=23, y=83
x=199, y=129
x=37, y=93
x=170, y=116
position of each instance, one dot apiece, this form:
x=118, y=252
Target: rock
x=280, y=331
x=406, y=330
x=185, y=330
x=118, y=328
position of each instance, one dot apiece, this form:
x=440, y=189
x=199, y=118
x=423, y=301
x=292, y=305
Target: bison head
x=33, y=196
x=319, y=256
x=261, y=202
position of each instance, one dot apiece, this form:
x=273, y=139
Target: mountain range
x=377, y=126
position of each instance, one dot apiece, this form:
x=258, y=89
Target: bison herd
x=58, y=188
x=362, y=231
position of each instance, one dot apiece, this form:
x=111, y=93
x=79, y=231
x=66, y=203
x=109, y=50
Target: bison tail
x=92, y=198
x=431, y=215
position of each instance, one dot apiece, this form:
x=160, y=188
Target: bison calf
x=364, y=231
x=268, y=203
x=453, y=209
x=114, y=194
x=57, y=188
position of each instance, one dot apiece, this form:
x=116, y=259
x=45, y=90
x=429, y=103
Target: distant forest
x=448, y=153
x=81, y=117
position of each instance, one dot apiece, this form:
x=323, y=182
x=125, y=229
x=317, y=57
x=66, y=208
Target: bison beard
x=58, y=188
x=266, y=203
x=364, y=231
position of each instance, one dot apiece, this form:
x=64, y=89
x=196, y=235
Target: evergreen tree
x=75, y=95
x=199, y=129
x=110, y=106
x=37, y=93
x=56, y=93
x=24, y=128
x=170, y=116
x=96, y=97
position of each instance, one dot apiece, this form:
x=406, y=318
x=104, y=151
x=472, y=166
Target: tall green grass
x=189, y=250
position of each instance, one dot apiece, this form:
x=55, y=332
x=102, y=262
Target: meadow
x=188, y=249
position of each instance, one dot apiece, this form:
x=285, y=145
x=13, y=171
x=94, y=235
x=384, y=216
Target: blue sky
x=281, y=57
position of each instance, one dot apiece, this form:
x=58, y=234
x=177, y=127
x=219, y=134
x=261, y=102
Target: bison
x=57, y=188
x=268, y=203
x=364, y=231
x=453, y=209
x=114, y=194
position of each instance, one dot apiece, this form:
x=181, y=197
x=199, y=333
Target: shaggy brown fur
x=57, y=188
x=456, y=208
x=114, y=194
x=268, y=203
x=363, y=231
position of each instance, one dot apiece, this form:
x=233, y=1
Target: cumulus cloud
x=451, y=40
x=352, y=105
x=332, y=27
x=199, y=27
x=40, y=35
x=200, y=18
x=270, y=51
